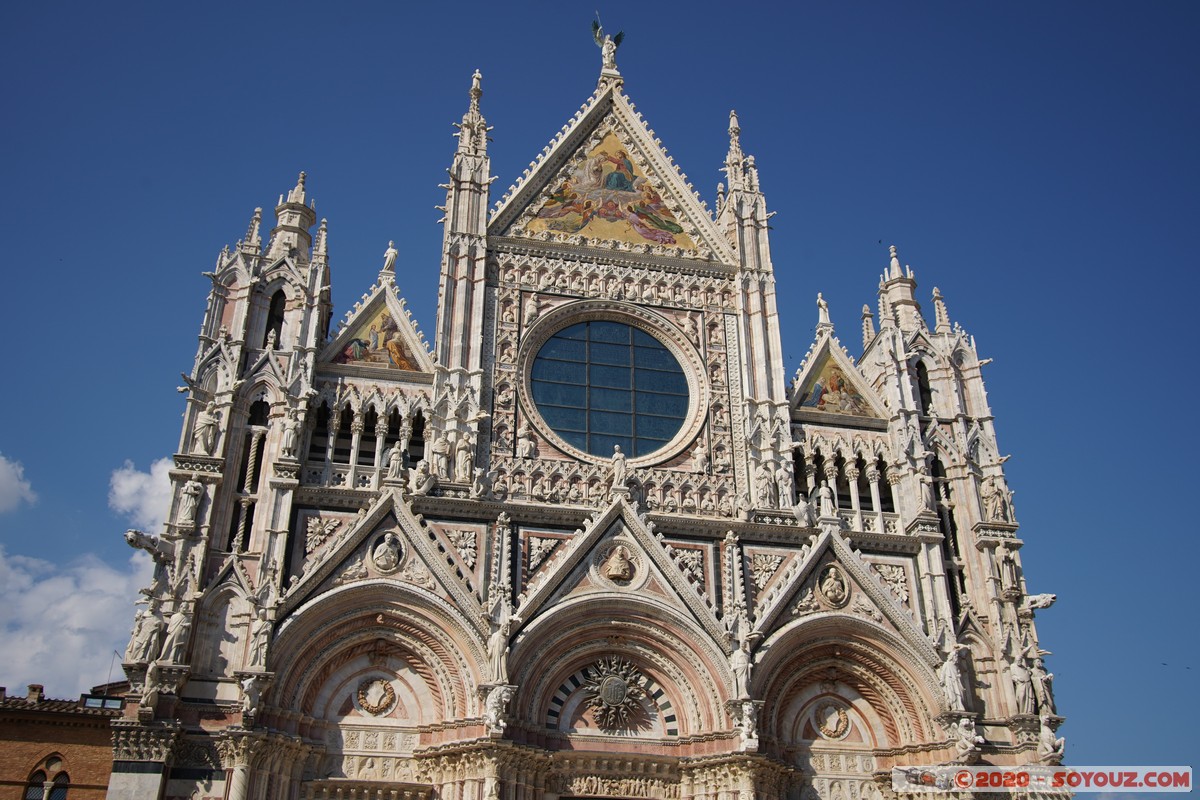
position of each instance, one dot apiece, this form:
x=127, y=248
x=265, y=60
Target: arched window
x=35, y=789
x=275, y=319
x=59, y=790
x=926, y=394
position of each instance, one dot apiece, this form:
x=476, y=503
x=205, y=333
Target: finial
x=321, y=247
x=894, y=268
x=734, y=128
x=296, y=195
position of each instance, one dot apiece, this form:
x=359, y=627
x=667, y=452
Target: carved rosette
x=614, y=692
x=831, y=720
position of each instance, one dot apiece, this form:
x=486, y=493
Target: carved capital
x=238, y=748
x=134, y=741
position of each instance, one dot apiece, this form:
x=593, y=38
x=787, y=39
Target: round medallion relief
x=376, y=696
x=833, y=586
x=618, y=565
x=387, y=553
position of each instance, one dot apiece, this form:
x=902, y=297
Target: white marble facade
x=400, y=570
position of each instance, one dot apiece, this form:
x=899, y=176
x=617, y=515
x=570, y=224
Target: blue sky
x=1036, y=162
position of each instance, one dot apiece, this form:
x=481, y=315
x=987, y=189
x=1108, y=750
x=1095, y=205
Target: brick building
x=56, y=749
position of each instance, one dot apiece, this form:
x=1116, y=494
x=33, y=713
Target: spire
x=472, y=131
x=292, y=221
x=896, y=291
x=868, y=326
x=253, y=240
x=735, y=159
x=321, y=245
x=941, y=315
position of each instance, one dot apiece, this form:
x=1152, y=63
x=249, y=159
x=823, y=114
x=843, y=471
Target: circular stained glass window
x=602, y=383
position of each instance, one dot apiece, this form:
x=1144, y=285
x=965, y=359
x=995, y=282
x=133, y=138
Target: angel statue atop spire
x=608, y=44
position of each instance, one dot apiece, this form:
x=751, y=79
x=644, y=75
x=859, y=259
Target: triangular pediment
x=606, y=181
x=829, y=383
x=379, y=335
x=618, y=552
x=388, y=543
x=833, y=579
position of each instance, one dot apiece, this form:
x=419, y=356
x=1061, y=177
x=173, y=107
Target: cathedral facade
x=590, y=544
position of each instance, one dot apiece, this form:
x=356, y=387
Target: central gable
x=606, y=196
x=605, y=181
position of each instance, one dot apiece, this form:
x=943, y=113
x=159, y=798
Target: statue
x=481, y=483
x=951, y=677
x=389, y=257
x=204, y=436
x=822, y=311
x=291, y=435
x=525, y=445
x=395, y=461
x=501, y=621
x=386, y=555
x=174, y=647
x=147, y=628
x=462, y=458
x=441, y=456
x=740, y=665
x=421, y=481
x=804, y=512
x=748, y=720
x=1042, y=685
x=496, y=708
x=993, y=501
x=532, y=309
x=189, y=499
x=1008, y=569
x=618, y=471
x=785, y=483
x=764, y=479
x=251, y=694
x=260, y=636
x=150, y=689
x=1050, y=747
x=826, y=496
x=608, y=45
x=700, y=463
x=966, y=746
x=1035, y=601
x=1022, y=686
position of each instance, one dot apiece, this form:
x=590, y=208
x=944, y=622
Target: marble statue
x=826, y=497
x=951, y=677
x=395, y=461
x=618, y=470
x=462, y=459
x=260, y=636
x=389, y=257
x=421, y=481
x=291, y=435
x=204, y=437
x=189, y=499
x=386, y=555
x=175, y=645
x=147, y=629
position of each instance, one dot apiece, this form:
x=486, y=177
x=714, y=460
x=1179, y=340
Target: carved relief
x=894, y=577
x=318, y=531
x=831, y=720
x=376, y=697
x=464, y=542
x=614, y=692
x=762, y=567
x=833, y=586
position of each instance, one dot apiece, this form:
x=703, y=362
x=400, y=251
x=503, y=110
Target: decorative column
x=141, y=755
x=335, y=426
x=381, y=446
x=238, y=749
x=852, y=473
x=357, y=425
x=873, y=477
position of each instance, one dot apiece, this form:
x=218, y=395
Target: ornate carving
x=762, y=567
x=387, y=554
x=614, y=692
x=465, y=542
x=318, y=531
x=832, y=720
x=539, y=548
x=893, y=575
x=833, y=586
x=376, y=696
x=133, y=741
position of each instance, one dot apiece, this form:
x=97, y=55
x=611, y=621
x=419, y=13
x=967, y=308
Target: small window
x=36, y=787
x=59, y=790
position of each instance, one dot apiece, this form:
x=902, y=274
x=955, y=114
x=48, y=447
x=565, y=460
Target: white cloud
x=59, y=624
x=143, y=496
x=14, y=489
